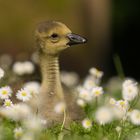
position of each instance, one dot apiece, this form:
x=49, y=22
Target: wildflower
x=81, y=103
x=60, y=107
x=136, y=133
x=97, y=91
x=35, y=57
x=119, y=108
x=43, y=121
x=29, y=67
x=122, y=104
x=18, y=132
x=112, y=101
x=8, y=103
x=18, y=68
x=87, y=123
x=104, y=115
x=33, y=87
x=21, y=68
x=96, y=73
x=16, y=112
x=130, y=90
x=33, y=123
x=135, y=117
x=5, y=92
x=70, y=79
x=5, y=61
x=23, y=95
x=117, y=112
x=128, y=82
x=85, y=94
x=1, y=73
x=118, y=129
x=28, y=136
x=89, y=83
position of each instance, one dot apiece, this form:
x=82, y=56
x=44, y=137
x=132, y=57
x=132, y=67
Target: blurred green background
x=103, y=22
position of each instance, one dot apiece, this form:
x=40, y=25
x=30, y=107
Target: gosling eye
x=54, y=35
x=54, y=38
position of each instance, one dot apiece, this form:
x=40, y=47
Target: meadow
x=112, y=108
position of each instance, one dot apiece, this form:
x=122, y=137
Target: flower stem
x=64, y=120
x=96, y=102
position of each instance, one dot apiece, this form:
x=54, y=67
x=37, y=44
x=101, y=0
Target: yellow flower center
x=24, y=94
x=112, y=102
x=8, y=103
x=130, y=90
x=18, y=134
x=97, y=72
x=97, y=92
x=88, y=123
x=122, y=104
x=4, y=92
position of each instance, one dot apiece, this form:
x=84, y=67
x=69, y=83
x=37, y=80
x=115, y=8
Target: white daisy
x=96, y=73
x=29, y=67
x=1, y=73
x=35, y=57
x=85, y=94
x=16, y=112
x=18, y=68
x=112, y=101
x=70, y=79
x=122, y=104
x=43, y=122
x=104, y=115
x=21, y=68
x=81, y=103
x=23, y=95
x=130, y=90
x=18, y=132
x=33, y=123
x=87, y=123
x=8, y=103
x=135, y=117
x=89, y=83
x=97, y=91
x=118, y=129
x=5, y=92
x=28, y=136
x=128, y=82
x=117, y=112
x=33, y=87
x=60, y=107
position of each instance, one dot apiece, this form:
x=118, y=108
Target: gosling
x=52, y=38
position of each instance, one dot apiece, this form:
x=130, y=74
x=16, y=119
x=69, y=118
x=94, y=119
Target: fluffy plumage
x=52, y=38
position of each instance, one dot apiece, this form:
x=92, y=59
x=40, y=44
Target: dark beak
x=75, y=39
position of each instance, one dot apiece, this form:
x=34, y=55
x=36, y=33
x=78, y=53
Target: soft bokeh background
x=112, y=27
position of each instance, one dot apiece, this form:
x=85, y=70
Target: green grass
x=77, y=132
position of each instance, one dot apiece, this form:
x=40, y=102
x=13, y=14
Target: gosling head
x=53, y=37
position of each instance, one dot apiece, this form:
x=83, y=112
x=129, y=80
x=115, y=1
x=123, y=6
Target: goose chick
x=52, y=38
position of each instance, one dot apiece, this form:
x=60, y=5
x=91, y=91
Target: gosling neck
x=50, y=74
